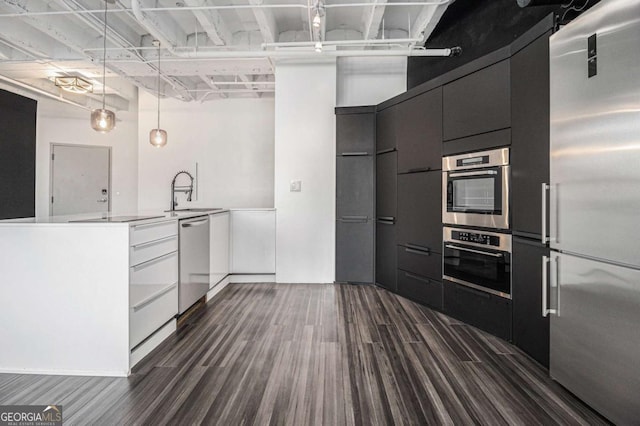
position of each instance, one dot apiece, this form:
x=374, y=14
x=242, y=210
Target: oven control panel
x=477, y=238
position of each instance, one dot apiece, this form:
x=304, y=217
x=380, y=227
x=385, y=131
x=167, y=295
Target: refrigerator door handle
x=546, y=260
x=545, y=188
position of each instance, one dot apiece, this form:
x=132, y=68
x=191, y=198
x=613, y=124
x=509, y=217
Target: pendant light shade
x=103, y=120
x=157, y=136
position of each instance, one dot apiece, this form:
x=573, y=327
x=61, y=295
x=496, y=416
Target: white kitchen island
x=88, y=298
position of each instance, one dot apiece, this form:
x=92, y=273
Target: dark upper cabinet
x=419, y=135
x=477, y=103
x=420, y=210
x=386, y=127
x=530, y=328
x=530, y=135
x=354, y=251
x=17, y=156
x=386, y=185
x=354, y=186
x=386, y=261
x=355, y=130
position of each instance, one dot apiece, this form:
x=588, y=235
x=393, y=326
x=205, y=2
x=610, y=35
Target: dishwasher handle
x=195, y=223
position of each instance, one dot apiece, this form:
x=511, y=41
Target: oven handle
x=481, y=173
x=473, y=251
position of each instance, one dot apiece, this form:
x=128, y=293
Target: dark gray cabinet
x=530, y=328
x=386, y=262
x=424, y=263
x=17, y=156
x=386, y=185
x=386, y=125
x=355, y=194
x=354, y=191
x=355, y=130
x=477, y=103
x=354, y=250
x=530, y=135
x=483, y=310
x=420, y=210
x=420, y=289
x=419, y=140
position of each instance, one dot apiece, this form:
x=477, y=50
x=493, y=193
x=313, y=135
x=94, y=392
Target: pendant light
x=157, y=136
x=103, y=120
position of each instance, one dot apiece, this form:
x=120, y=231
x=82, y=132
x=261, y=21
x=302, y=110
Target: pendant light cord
x=158, y=84
x=104, y=55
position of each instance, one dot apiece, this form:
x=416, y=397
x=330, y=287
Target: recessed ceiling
x=210, y=49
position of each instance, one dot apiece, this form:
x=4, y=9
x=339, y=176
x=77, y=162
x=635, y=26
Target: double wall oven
x=475, y=214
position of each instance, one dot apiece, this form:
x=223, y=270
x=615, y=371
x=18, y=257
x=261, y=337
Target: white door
x=80, y=179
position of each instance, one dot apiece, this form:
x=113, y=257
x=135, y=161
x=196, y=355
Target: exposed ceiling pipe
x=42, y=92
x=368, y=42
x=212, y=7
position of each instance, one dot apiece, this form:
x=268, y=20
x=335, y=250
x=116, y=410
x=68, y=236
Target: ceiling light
x=103, y=120
x=318, y=46
x=157, y=136
x=73, y=84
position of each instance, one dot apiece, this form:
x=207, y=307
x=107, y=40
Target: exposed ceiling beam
x=212, y=23
x=209, y=83
x=372, y=18
x=427, y=20
x=244, y=78
x=266, y=21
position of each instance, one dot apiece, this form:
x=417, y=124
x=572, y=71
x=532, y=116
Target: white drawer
x=143, y=252
x=152, y=231
x=161, y=270
x=148, y=315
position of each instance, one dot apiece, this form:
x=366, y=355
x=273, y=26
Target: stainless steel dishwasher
x=194, y=261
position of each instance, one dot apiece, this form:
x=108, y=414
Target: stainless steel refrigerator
x=594, y=206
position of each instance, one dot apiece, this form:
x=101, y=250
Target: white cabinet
x=153, y=278
x=219, y=251
x=253, y=242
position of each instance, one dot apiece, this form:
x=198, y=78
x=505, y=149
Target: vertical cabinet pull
x=546, y=261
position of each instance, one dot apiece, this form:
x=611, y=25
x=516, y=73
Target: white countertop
x=158, y=216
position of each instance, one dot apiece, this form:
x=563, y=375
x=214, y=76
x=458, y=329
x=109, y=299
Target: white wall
x=369, y=81
x=231, y=139
x=305, y=150
x=61, y=123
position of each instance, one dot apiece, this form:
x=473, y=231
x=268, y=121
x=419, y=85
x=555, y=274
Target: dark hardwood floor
x=315, y=354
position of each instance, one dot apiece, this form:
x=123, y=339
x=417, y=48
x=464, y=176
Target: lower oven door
x=483, y=269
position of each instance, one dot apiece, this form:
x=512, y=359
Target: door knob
x=103, y=200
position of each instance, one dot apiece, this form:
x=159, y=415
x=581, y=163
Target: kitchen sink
x=195, y=209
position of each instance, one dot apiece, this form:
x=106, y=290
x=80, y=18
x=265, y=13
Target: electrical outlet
x=295, y=186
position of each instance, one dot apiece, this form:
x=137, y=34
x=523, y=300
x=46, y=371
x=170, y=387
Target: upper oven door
x=475, y=190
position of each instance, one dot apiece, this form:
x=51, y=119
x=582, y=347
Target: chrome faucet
x=186, y=189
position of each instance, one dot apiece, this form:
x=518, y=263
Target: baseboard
x=145, y=348
x=94, y=373
x=253, y=278
x=218, y=287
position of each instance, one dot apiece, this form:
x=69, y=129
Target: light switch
x=295, y=186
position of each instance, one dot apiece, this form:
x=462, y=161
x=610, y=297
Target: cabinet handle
x=545, y=268
x=416, y=249
x=384, y=151
x=387, y=220
x=545, y=188
x=156, y=260
x=152, y=243
x=155, y=297
x=353, y=154
x=354, y=219
x=417, y=278
x=150, y=225
x=419, y=169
